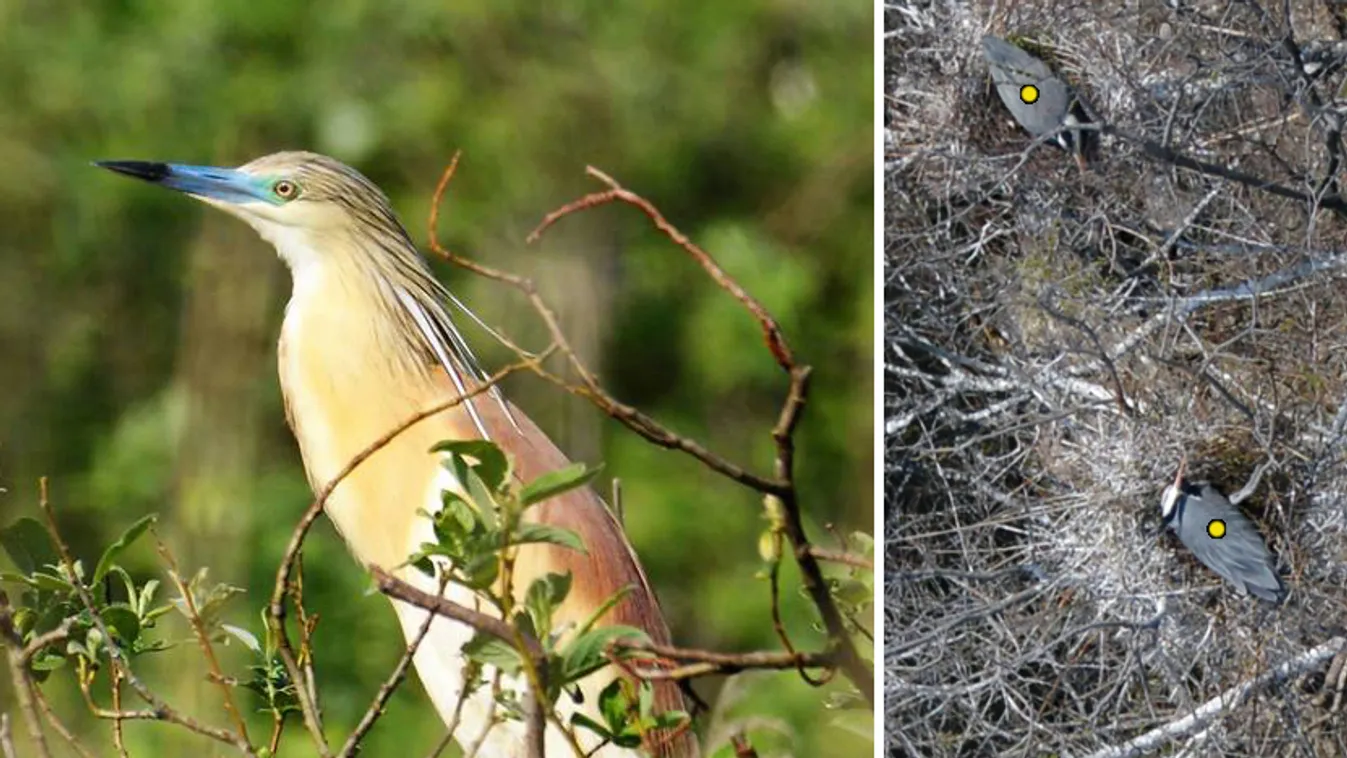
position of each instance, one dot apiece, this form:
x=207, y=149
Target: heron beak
x=226, y=185
x=1183, y=467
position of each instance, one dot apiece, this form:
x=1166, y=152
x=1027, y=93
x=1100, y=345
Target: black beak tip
x=146, y=170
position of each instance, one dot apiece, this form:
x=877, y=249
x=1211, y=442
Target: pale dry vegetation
x=1055, y=341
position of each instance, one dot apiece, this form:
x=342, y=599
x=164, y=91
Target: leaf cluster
x=49, y=600
x=478, y=530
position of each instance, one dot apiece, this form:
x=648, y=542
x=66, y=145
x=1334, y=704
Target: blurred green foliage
x=137, y=328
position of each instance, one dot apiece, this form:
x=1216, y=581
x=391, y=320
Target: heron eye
x=285, y=189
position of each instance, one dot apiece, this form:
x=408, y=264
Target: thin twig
x=1224, y=703
x=381, y=698
x=534, y=656
x=203, y=638
x=742, y=747
x=710, y=662
x=469, y=675
x=161, y=710
x=776, y=341
x=118, y=727
x=781, y=485
x=398, y=589
x=838, y=556
x=590, y=390
x=23, y=690
x=778, y=625
x=6, y=740
x=59, y=726
x=488, y=723
x=58, y=635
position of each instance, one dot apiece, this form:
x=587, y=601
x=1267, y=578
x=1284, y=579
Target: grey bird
x=1220, y=536
x=1049, y=105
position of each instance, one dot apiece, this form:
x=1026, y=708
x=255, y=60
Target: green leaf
x=529, y=532
x=614, y=705
x=852, y=592
x=423, y=564
x=457, y=512
x=10, y=576
x=612, y=600
x=476, y=491
x=120, y=545
x=127, y=583
x=28, y=545
x=623, y=721
x=584, y=654
x=554, y=483
x=865, y=543
x=52, y=615
x=491, y=463
x=248, y=639
x=580, y=719
x=51, y=583
x=145, y=597
x=24, y=618
x=47, y=662
x=645, y=699
x=123, y=621
x=524, y=623
x=481, y=571
x=542, y=598
x=484, y=497
x=491, y=650
x=210, y=604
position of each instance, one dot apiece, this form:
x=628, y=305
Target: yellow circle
x=1216, y=529
x=1029, y=94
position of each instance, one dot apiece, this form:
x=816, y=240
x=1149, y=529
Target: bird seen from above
x=367, y=342
x=1038, y=99
x=1221, y=537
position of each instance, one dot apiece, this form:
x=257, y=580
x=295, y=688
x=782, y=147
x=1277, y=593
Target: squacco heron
x=367, y=342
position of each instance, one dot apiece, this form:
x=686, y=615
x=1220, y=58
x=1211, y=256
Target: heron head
x=290, y=198
x=1168, y=500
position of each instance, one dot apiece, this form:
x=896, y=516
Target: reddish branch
x=781, y=484
x=702, y=662
x=776, y=342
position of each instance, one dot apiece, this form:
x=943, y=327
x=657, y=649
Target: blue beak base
x=223, y=184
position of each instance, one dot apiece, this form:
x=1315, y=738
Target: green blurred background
x=137, y=328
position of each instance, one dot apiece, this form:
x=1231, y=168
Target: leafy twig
x=780, y=485
x=161, y=710
x=203, y=638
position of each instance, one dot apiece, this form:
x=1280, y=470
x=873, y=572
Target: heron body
x=1048, y=106
x=366, y=344
x=1221, y=537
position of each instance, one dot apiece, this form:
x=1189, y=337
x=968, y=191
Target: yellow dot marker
x=1216, y=529
x=1029, y=94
